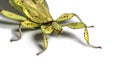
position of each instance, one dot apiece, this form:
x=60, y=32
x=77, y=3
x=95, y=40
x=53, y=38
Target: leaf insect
x=38, y=16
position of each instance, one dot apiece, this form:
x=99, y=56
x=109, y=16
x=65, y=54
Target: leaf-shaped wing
x=12, y=3
x=36, y=10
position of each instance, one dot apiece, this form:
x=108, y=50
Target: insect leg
x=12, y=15
x=67, y=16
x=80, y=25
x=45, y=30
x=64, y=17
x=86, y=37
x=25, y=24
x=20, y=34
x=45, y=44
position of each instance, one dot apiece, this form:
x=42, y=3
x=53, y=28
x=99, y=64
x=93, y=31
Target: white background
x=67, y=51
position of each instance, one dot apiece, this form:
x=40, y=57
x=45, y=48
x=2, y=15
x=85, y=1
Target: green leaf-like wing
x=12, y=3
x=36, y=10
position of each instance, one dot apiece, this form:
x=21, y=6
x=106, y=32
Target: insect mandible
x=37, y=15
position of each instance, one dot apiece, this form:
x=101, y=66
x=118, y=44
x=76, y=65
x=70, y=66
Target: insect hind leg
x=80, y=25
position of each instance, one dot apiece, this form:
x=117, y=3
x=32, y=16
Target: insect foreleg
x=80, y=25
x=86, y=37
x=67, y=16
x=64, y=17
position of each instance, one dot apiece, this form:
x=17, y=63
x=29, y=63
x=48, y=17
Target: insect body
x=37, y=15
